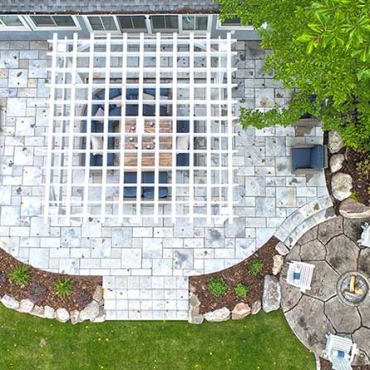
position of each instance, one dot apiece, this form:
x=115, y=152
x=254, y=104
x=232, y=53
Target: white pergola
x=165, y=111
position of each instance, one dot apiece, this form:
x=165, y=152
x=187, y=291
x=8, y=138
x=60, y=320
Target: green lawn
x=257, y=342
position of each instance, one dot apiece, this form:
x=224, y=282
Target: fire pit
x=353, y=288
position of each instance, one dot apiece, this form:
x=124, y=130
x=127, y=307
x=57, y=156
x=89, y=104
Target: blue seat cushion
x=130, y=191
x=341, y=354
x=317, y=157
x=133, y=93
x=296, y=275
x=183, y=126
x=148, y=191
x=301, y=158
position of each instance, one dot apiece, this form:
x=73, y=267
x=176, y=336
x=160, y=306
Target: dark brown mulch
x=232, y=276
x=361, y=184
x=80, y=284
x=326, y=365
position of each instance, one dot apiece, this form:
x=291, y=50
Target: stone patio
x=332, y=247
x=146, y=265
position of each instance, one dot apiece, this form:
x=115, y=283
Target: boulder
x=336, y=162
x=100, y=317
x=240, y=311
x=98, y=295
x=223, y=314
x=349, y=208
x=335, y=142
x=62, y=315
x=278, y=264
x=341, y=185
x=49, y=312
x=10, y=302
x=256, y=307
x=282, y=249
x=75, y=317
x=194, y=316
x=38, y=311
x=90, y=312
x=271, y=294
x=25, y=306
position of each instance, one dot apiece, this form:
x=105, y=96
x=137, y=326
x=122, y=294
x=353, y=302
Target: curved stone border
x=304, y=219
x=94, y=311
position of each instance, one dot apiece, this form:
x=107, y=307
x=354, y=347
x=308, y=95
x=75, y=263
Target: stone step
x=303, y=219
x=146, y=297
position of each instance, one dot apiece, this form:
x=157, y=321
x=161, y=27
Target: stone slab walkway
x=332, y=247
x=145, y=265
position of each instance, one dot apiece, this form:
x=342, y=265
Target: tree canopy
x=319, y=47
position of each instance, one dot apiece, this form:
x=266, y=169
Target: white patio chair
x=340, y=351
x=300, y=275
x=365, y=235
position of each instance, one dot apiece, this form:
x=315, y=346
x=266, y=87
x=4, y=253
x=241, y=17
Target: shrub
x=63, y=288
x=255, y=266
x=20, y=275
x=241, y=290
x=217, y=287
x=82, y=298
x=37, y=293
x=4, y=281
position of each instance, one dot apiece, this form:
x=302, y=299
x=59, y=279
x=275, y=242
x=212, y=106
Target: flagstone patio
x=146, y=265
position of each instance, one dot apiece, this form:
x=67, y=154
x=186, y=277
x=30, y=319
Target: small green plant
x=354, y=195
x=63, y=288
x=20, y=275
x=363, y=169
x=255, y=266
x=217, y=287
x=241, y=290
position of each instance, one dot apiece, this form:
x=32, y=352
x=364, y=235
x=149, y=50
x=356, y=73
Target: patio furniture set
x=138, y=132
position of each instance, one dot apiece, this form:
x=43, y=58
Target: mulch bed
x=326, y=365
x=232, y=276
x=82, y=285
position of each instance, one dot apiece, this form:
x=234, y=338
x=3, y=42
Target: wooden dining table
x=144, y=127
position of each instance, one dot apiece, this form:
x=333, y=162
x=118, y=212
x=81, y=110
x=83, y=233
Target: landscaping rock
x=256, y=307
x=75, y=317
x=38, y=311
x=25, y=306
x=341, y=185
x=278, y=264
x=62, y=315
x=349, y=208
x=10, y=302
x=98, y=295
x=194, y=316
x=336, y=162
x=90, y=312
x=271, y=294
x=282, y=249
x=335, y=142
x=49, y=312
x=240, y=311
x=100, y=317
x=223, y=314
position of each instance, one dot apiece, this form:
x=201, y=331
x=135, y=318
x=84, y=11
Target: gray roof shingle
x=107, y=6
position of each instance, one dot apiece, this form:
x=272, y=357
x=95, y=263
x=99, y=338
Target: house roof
x=107, y=6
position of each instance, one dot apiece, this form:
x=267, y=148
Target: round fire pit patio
x=339, y=299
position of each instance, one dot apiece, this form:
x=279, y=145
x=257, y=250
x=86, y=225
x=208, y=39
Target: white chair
x=340, y=351
x=365, y=236
x=300, y=275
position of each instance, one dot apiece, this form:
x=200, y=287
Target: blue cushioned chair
x=148, y=191
x=309, y=159
x=130, y=191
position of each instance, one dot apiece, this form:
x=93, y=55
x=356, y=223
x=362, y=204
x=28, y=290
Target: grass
x=260, y=342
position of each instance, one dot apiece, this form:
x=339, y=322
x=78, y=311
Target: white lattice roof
x=140, y=127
